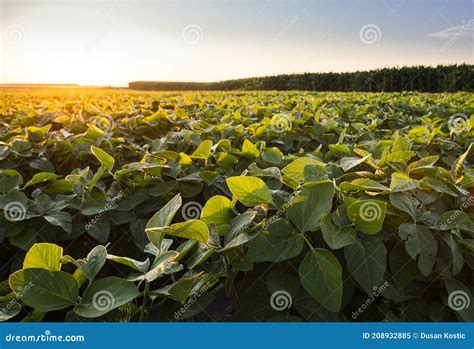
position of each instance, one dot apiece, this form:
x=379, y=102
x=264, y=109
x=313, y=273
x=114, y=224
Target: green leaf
x=105, y=295
x=419, y=241
x=397, y=156
x=363, y=184
x=281, y=243
x=335, y=236
x=366, y=261
x=218, y=211
x=41, y=178
x=315, y=201
x=321, y=275
x=351, y=162
x=142, y=267
x=105, y=159
x=162, y=219
x=94, y=262
x=367, y=215
x=402, y=182
x=457, y=167
x=194, y=229
x=45, y=290
x=249, y=149
x=250, y=191
x=44, y=256
x=203, y=151
x=297, y=172
x=237, y=234
x=405, y=202
x=60, y=219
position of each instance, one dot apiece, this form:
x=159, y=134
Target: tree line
x=442, y=78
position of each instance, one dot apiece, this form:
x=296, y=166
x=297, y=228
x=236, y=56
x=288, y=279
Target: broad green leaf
x=193, y=229
x=367, y=215
x=41, y=177
x=363, y=184
x=419, y=243
x=105, y=159
x=203, y=151
x=296, y=172
x=94, y=262
x=402, y=182
x=9, y=310
x=405, y=202
x=142, y=267
x=351, y=162
x=315, y=201
x=279, y=244
x=162, y=219
x=45, y=290
x=44, y=256
x=321, y=275
x=249, y=149
x=60, y=219
x=218, y=211
x=438, y=185
x=237, y=233
x=335, y=236
x=250, y=191
x=366, y=261
x=105, y=295
x=398, y=156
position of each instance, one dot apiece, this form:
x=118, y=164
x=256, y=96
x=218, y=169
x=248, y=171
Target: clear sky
x=112, y=42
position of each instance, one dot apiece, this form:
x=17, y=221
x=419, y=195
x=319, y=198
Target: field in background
x=235, y=206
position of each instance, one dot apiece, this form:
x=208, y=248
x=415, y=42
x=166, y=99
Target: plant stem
x=145, y=300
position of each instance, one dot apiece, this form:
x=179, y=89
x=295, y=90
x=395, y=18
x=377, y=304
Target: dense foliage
x=424, y=79
x=249, y=206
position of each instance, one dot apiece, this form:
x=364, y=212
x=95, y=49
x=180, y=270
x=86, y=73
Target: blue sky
x=116, y=41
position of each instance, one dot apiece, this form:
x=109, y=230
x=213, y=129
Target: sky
x=113, y=42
